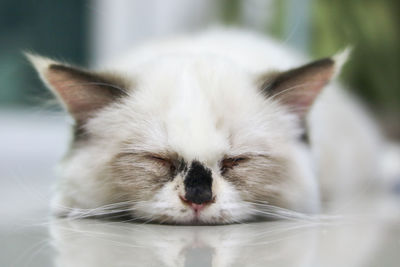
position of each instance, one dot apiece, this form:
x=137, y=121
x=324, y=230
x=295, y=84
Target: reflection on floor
x=358, y=239
x=349, y=241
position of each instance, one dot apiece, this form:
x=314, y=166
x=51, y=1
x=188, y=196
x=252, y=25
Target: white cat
x=220, y=127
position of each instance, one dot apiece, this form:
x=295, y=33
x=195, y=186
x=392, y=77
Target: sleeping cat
x=220, y=127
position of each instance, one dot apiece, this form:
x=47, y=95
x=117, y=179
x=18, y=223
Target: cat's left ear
x=81, y=92
x=298, y=88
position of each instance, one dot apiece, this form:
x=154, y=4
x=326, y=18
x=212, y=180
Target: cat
x=218, y=127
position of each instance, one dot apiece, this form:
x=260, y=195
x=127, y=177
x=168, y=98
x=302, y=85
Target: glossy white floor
x=366, y=234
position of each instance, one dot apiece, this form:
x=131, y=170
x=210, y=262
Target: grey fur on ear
x=80, y=91
x=298, y=88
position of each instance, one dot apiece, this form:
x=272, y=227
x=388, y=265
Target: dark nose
x=198, y=183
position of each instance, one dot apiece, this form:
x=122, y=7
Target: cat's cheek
x=303, y=186
x=166, y=206
x=229, y=206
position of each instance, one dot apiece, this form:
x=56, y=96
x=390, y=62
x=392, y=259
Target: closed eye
x=161, y=160
x=231, y=162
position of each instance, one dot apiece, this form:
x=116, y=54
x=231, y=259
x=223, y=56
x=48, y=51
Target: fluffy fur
x=225, y=99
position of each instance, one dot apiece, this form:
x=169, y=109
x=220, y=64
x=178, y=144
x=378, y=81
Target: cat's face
x=194, y=140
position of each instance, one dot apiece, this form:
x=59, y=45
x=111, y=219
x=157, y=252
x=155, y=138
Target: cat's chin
x=201, y=220
x=192, y=221
x=209, y=216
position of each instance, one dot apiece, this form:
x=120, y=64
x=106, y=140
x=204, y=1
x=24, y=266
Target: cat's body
x=208, y=129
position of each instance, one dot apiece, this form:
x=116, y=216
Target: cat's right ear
x=298, y=88
x=81, y=92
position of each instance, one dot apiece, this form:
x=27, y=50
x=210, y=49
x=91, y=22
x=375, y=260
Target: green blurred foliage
x=230, y=11
x=373, y=29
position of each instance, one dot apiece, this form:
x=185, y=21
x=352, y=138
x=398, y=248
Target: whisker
x=272, y=211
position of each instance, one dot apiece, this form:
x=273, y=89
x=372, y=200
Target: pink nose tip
x=197, y=207
x=194, y=206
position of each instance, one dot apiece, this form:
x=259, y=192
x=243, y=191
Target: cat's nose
x=198, y=182
x=198, y=195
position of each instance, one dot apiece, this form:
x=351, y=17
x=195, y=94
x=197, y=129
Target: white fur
x=196, y=96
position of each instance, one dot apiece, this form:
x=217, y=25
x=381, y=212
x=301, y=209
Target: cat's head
x=187, y=140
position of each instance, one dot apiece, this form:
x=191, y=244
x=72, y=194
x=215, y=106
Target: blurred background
x=90, y=32
x=34, y=134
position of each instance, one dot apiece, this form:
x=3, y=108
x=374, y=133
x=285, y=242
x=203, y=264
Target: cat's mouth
x=196, y=207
